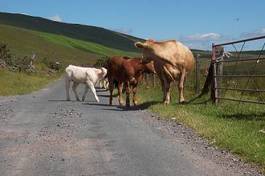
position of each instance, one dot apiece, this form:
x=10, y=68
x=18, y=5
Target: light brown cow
x=172, y=61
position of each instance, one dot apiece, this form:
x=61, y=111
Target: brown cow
x=172, y=61
x=128, y=71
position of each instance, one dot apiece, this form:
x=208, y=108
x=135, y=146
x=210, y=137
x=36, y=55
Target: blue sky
x=197, y=23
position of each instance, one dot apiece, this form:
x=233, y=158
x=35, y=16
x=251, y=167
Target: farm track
x=41, y=134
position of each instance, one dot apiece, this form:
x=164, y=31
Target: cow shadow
x=141, y=106
x=107, y=96
x=63, y=100
x=98, y=104
x=101, y=90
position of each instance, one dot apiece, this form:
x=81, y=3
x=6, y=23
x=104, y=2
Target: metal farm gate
x=238, y=71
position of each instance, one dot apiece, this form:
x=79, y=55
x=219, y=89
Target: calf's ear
x=140, y=45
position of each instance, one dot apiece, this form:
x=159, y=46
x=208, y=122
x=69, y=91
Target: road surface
x=41, y=134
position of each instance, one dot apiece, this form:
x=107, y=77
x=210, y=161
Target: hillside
x=93, y=34
x=26, y=42
x=48, y=48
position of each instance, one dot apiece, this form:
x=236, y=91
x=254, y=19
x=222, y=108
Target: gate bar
x=240, y=41
x=243, y=90
x=238, y=100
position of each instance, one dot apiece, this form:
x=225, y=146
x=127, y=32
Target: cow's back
x=174, y=53
x=76, y=73
x=115, y=68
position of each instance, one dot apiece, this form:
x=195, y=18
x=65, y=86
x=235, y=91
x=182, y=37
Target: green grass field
x=21, y=83
x=231, y=126
x=83, y=45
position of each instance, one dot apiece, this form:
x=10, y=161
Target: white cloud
x=201, y=41
x=123, y=30
x=56, y=18
x=23, y=13
x=202, y=37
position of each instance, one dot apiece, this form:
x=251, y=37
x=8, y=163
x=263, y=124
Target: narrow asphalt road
x=41, y=134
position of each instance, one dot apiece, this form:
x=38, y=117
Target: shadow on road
x=101, y=90
x=124, y=108
x=86, y=102
x=62, y=100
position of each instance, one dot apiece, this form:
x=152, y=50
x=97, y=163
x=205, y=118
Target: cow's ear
x=140, y=45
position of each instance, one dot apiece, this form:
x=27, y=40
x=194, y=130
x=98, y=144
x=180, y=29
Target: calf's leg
x=127, y=86
x=75, y=84
x=85, y=92
x=111, y=87
x=92, y=88
x=120, y=85
x=67, y=86
x=134, y=90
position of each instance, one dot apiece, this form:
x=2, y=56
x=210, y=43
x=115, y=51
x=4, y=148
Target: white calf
x=85, y=75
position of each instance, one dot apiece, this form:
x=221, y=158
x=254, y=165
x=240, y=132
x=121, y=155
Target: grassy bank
x=21, y=83
x=233, y=126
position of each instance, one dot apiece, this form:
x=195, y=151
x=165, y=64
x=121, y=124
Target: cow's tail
x=208, y=80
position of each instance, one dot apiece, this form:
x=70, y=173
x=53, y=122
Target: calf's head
x=148, y=66
x=103, y=72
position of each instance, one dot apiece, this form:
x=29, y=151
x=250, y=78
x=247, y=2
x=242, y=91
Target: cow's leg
x=181, y=86
x=163, y=85
x=92, y=88
x=85, y=92
x=106, y=85
x=134, y=90
x=120, y=85
x=163, y=89
x=67, y=86
x=111, y=87
x=167, y=91
x=127, y=86
x=75, y=84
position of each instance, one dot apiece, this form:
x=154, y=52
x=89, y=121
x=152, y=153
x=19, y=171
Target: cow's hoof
x=183, y=102
x=166, y=103
x=121, y=103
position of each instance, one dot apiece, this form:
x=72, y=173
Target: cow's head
x=147, y=48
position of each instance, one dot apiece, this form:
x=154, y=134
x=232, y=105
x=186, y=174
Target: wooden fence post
x=219, y=52
x=214, y=91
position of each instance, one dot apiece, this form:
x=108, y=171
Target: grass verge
x=13, y=83
x=231, y=126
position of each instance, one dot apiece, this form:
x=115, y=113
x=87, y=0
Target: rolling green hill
x=68, y=50
x=93, y=34
x=50, y=47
